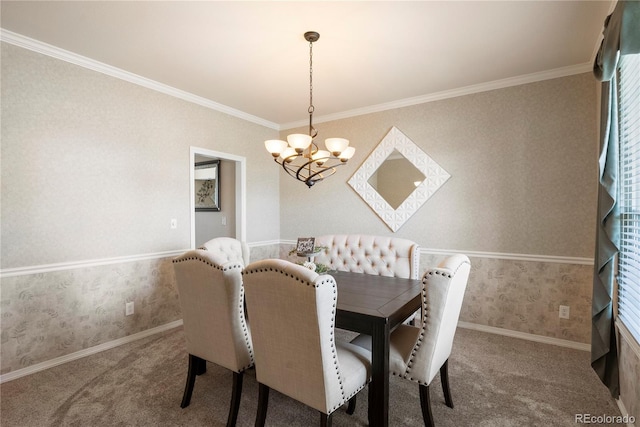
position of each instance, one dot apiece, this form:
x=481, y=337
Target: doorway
x=229, y=222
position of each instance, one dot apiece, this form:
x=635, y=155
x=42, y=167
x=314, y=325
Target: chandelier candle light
x=299, y=156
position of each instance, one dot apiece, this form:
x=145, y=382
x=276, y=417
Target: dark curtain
x=621, y=36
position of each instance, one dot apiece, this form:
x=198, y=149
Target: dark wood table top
x=380, y=297
x=375, y=305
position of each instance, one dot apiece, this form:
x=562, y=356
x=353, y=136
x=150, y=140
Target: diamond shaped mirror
x=397, y=179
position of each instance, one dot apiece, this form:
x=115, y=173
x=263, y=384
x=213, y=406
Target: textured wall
x=524, y=296
x=52, y=314
x=523, y=172
x=630, y=375
x=95, y=167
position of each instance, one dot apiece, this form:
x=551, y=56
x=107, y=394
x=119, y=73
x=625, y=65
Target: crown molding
x=73, y=58
x=453, y=93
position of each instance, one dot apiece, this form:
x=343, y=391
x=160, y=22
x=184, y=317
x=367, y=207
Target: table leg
x=379, y=402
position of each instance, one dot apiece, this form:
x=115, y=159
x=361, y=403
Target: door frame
x=241, y=190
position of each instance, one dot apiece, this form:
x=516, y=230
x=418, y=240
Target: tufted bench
x=377, y=255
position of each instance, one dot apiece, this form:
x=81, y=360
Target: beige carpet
x=495, y=380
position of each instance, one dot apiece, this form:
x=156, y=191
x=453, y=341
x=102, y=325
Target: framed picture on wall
x=207, y=186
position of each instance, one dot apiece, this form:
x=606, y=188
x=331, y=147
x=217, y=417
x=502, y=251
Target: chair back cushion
x=378, y=255
x=226, y=249
x=442, y=295
x=212, y=302
x=292, y=311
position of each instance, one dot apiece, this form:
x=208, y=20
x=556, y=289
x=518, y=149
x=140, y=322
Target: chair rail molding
x=481, y=254
x=47, y=268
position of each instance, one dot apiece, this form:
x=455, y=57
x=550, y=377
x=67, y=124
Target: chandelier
x=299, y=156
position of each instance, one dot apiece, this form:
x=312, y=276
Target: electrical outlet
x=224, y=220
x=174, y=223
x=128, y=308
x=564, y=312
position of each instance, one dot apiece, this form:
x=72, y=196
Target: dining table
x=375, y=305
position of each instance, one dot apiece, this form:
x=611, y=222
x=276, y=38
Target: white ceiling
x=252, y=57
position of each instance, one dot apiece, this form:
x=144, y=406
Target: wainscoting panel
x=47, y=315
x=264, y=250
x=51, y=312
x=525, y=296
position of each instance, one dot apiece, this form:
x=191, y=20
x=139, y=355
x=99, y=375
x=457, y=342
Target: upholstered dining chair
x=293, y=312
x=212, y=302
x=418, y=353
x=227, y=249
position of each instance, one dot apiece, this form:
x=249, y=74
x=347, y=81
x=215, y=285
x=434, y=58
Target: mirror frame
x=210, y=164
x=435, y=175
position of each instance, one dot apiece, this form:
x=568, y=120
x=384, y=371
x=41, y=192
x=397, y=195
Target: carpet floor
x=495, y=381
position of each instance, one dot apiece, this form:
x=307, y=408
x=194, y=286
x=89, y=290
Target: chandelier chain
x=312, y=131
x=311, y=108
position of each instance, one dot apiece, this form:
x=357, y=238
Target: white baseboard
x=525, y=336
x=87, y=352
x=625, y=413
x=130, y=338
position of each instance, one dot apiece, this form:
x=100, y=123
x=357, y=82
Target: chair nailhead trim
x=426, y=317
x=198, y=257
x=332, y=332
